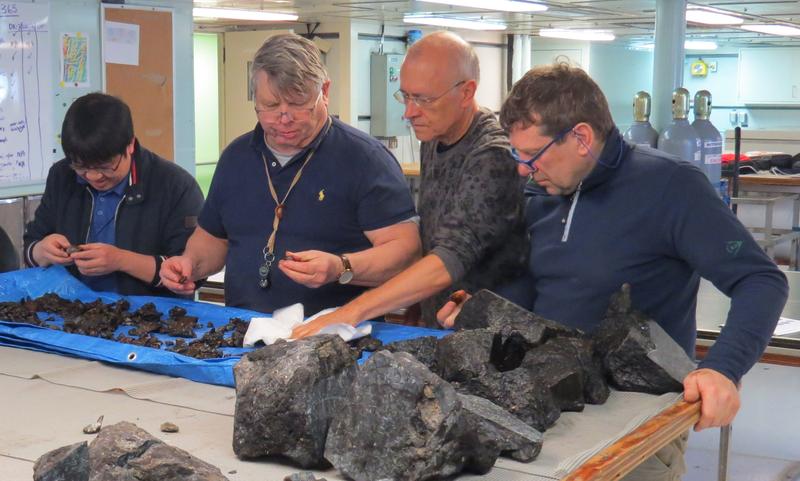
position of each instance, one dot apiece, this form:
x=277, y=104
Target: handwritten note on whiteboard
x=26, y=130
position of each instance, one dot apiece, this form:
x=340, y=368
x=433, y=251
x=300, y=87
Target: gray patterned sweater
x=471, y=210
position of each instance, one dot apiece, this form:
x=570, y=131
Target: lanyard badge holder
x=265, y=270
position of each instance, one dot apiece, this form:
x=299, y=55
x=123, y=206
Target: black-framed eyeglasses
x=422, y=101
x=292, y=112
x=529, y=162
x=104, y=171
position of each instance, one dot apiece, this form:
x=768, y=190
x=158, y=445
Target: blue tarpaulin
x=32, y=283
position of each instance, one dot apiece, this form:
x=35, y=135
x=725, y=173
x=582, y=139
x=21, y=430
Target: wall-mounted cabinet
x=769, y=76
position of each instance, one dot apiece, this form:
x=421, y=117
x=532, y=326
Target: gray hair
x=293, y=64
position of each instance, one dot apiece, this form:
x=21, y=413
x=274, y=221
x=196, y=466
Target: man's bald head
x=446, y=49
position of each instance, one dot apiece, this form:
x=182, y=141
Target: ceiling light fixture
x=453, y=22
x=709, y=16
x=699, y=45
x=773, y=29
x=598, y=35
x=503, y=5
x=230, y=13
x=687, y=44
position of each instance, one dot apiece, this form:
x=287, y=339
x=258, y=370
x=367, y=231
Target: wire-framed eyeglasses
x=529, y=163
x=420, y=100
x=105, y=171
x=274, y=113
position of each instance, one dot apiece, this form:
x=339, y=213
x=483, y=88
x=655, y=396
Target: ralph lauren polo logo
x=321, y=195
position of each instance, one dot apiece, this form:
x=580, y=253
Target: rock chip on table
x=422, y=348
x=286, y=395
x=67, y=463
x=494, y=426
x=403, y=422
x=638, y=355
x=124, y=452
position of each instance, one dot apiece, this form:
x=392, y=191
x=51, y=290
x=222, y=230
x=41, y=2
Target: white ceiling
x=631, y=20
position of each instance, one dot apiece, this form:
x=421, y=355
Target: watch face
x=346, y=277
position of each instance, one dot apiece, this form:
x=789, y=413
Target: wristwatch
x=347, y=274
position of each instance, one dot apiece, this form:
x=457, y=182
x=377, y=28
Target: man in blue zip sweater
x=112, y=210
x=602, y=213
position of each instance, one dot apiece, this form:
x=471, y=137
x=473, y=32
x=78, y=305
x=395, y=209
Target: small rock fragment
x=169, y=427
x=95, y=427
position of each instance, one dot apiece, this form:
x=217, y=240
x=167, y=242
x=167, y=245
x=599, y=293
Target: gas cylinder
x=710, y=138
x=679, y=137
x=641, y=132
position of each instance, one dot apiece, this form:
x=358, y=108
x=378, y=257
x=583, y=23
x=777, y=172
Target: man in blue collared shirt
x=112, y=210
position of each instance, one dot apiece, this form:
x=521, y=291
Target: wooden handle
x=628, y=452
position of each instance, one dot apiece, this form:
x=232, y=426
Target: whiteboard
x=25, y=93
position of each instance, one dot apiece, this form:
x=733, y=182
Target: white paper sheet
x=121, y=43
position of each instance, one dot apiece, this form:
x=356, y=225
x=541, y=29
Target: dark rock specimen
x=465, y=355
x=286, y=395
x=179, y=324
x=422, y=348
x=67, y=463
x=488, y=310
x=19, y=312
x=99, y=319
x=466, y=359
x=595, y=387
x=496, y=429
x=125, y=452
x=403, y=422
x=520, y=392
x=637, y=354
x=556, y=366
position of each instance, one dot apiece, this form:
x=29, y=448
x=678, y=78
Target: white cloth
x=280, y=325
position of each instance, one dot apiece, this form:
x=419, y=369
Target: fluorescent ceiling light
x=711, y=17
x=600, y=35
x=503, y=5
x=258, y=15
x=687, y=44
x=773, y=29
x=699, y=45
x=453, y=22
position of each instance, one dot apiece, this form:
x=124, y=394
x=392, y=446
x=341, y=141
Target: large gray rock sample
x=124, y=452
x=468, y=358
x=520, y=392
x=488, y=310
x=286, y=396
x=404, y=422
x=638, y=355
x=67, y=463
x=494, y=426
x=556, y=366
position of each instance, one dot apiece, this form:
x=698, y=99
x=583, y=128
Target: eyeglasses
x=104, y=171
x=422, y=101
x=292, y=112
x=541, y=152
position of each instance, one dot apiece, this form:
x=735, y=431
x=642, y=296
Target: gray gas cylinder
x=680, y=138
x=641, y=132
x=710, y=137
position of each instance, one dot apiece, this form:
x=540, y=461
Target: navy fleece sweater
x=653, y=221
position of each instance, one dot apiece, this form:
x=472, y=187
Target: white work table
x=47, y=399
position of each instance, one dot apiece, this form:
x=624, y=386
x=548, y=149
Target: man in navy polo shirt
x=111, y=210
x=304, y=208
